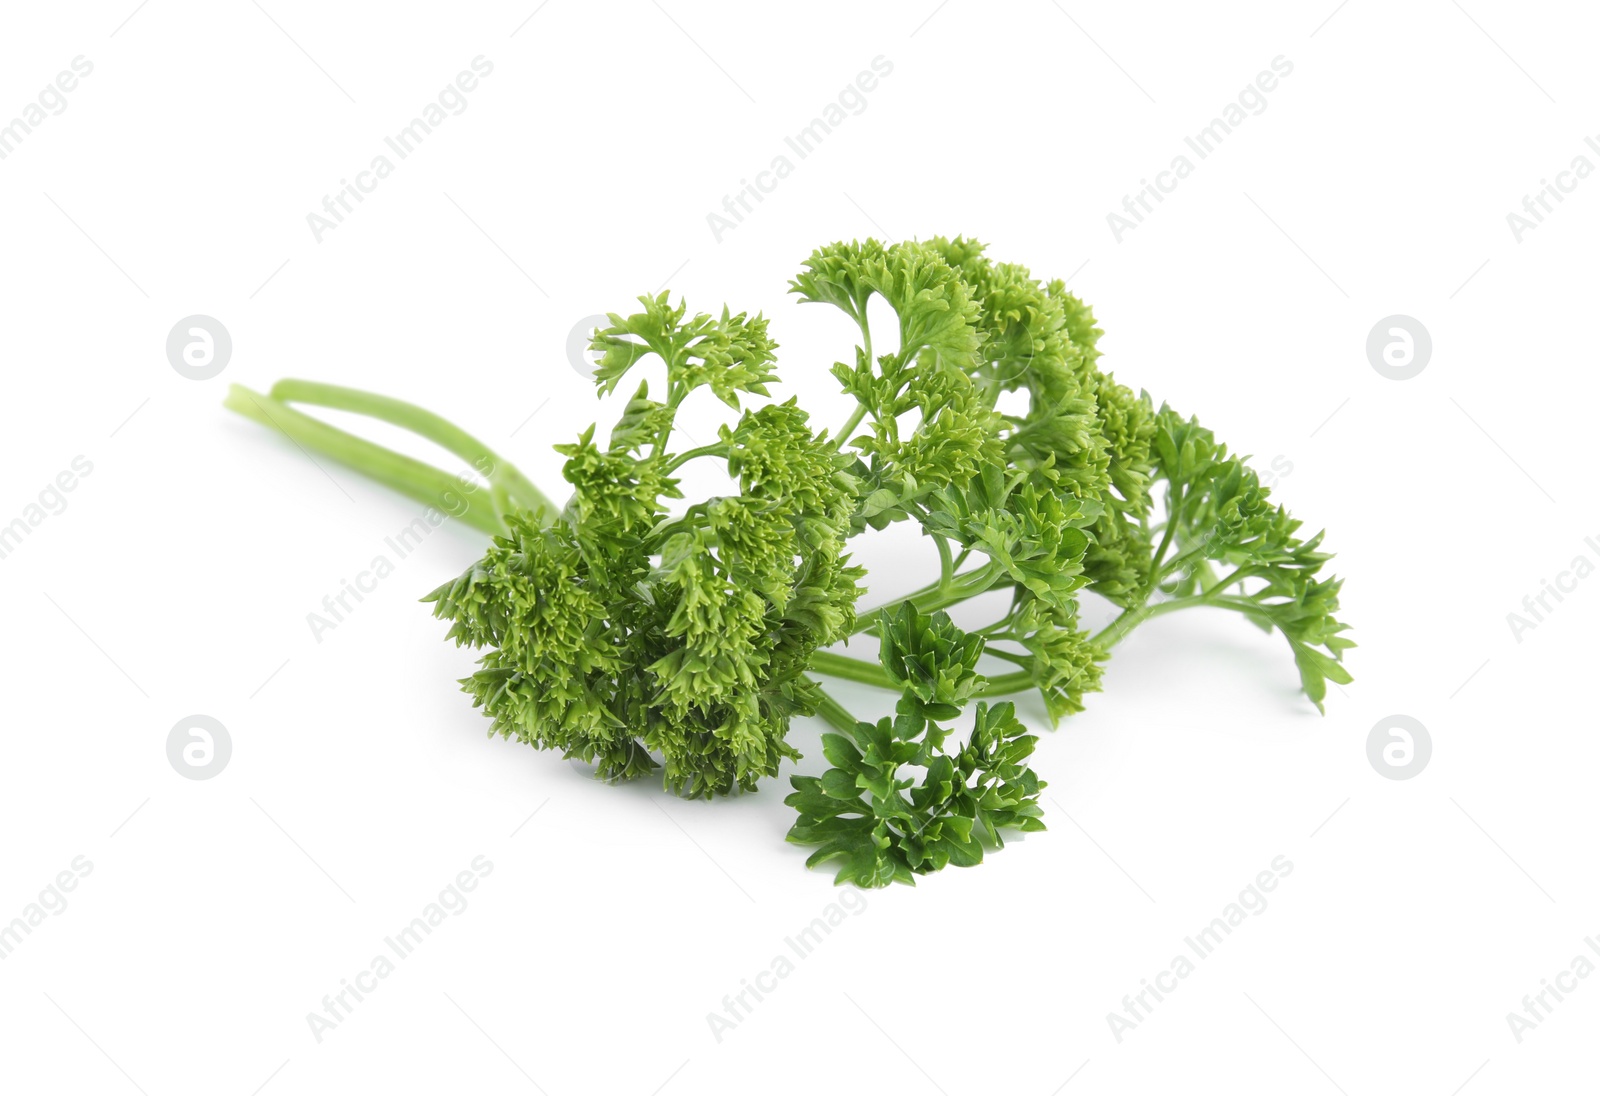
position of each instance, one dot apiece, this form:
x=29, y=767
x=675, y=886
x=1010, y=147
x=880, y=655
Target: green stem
x=843, y=437
x=864, y=672
x=1181, y=562
x=425, y=424
x=851, y=669
x=933, y=597
x=410, y=477
x=1173, y=513
x=676, y=391
x=1240, y=603
x=1108, y=636
x=1007, y=685
x=1119, y=628
x=834, y=712
x=715, y=449
x=870, y=673
x=1007, y=656
x=947, y=569
x=1238, y=575
x=938, y=595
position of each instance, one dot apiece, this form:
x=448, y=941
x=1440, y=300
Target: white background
x=219, y=913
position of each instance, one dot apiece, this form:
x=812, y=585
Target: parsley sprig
x=639, y=635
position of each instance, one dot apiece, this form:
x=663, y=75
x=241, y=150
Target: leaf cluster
x=618, y=634
x=896, y=803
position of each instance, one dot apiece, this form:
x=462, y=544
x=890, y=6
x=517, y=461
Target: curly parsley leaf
x=896, y=803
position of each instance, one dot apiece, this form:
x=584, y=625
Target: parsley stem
x=843, y=436
x=1007, y=684
x=846, y=668
x=410, y=477
x=1173, y=513
x=715, y=449
x=1241, y=603
x=1238, y=575
x=871, y=673
x=1119, y=628
x=938, y=595
x=863, y=672
x=425, y=424
x=834, y=712
x=947, y=568
x=1108, y=636
x=1183, y=562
